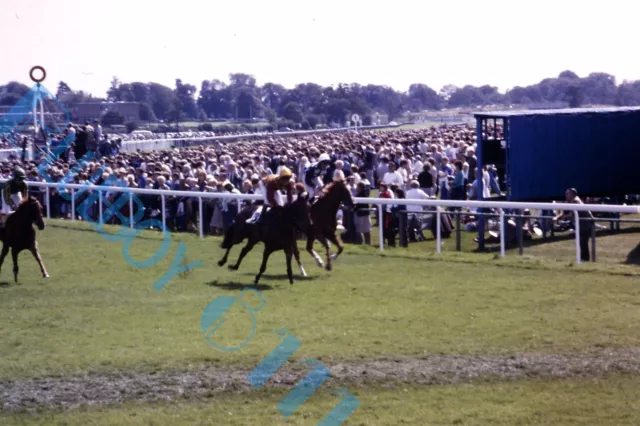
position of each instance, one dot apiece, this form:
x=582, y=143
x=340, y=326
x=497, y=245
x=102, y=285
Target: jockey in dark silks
x=271, y=186
x=15, y=190
x=314, y=173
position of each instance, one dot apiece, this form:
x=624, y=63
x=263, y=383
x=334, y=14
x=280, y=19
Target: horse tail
x=227, y=241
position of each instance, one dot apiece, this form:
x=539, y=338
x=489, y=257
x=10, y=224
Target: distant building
x=89, y=111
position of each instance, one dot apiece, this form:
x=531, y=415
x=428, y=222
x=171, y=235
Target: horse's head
x=339, y=187
x=32, y=210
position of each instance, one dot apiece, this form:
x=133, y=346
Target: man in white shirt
x=392, y=176
x=415, y=193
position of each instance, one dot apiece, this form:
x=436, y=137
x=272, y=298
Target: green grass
x=98, y=313
x=613, y=400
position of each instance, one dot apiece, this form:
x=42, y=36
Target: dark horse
x=324, y=222
x=276, y=229
x=18, y=234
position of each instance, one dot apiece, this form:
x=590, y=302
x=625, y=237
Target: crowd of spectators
x=402, y=164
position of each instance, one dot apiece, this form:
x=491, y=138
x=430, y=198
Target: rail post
x=130, y=209
x=458, y=237
x=73, y=204
x=577, y=231
x=100, y=205
x=381, y=227
x=164, y=219
x=438, y=230
x=502, y=242
x=593, y=240
x=48, y=203
x=200, y=219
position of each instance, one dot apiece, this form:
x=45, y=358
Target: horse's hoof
x=46, y=276
x=221, y=262
x=328, y=267
x=233, y=267
x=334, y=256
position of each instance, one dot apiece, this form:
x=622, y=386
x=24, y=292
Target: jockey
x=271, y=186
x=15, y=190
x=313, y=174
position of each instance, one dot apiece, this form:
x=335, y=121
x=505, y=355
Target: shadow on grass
x=633, y=258
x=4, y=284
x=284, y=277
x=234, y=285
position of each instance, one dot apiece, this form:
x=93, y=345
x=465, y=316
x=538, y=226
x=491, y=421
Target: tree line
x=310, y=104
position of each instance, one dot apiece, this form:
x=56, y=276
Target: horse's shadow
x=4, y=284
x=233, y=285
x=633, y=258
x=284, y=277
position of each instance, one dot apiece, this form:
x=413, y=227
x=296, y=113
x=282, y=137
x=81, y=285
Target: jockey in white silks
x=270, y=187
x=14, y=191
x=313, y=174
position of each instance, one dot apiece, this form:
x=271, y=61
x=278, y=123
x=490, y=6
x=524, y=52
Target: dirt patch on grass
x=427, y=370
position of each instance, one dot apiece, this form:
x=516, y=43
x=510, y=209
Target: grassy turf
x=614, y=400
x=98, y=313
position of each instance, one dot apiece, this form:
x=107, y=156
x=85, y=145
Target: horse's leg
x=222, y=261
x=36, y=254
x=5, y=250
x=338, y=242
x=325, y=243
x=311, y=251
x=288, y=252
x=245, y=250
x=296, y=254
x=263, y=267
x=14, y=255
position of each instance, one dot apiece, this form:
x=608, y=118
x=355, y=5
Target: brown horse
x=324, y=222
x=18, y=234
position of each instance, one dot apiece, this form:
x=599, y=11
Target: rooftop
x=565, y=111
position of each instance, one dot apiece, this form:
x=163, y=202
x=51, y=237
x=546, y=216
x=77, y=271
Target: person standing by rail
x=586, y=223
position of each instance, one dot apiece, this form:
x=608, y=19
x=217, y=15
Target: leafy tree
x=63, y=89
x=186, y=94
x=293, y=111
x=574, y=95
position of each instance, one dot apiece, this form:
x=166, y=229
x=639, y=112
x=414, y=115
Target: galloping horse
x=18, y=234
x=277, y=229
x=324, y=222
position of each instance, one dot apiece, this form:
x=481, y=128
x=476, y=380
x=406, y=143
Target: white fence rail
x=379, y=202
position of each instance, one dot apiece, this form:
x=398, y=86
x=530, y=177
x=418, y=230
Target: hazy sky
x=503, y=43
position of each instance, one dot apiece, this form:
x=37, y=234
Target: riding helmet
x=18, y=173
x=285, y=172
x=324, y=157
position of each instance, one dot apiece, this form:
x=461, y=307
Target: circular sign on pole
x=42, y=71
x=355, y=118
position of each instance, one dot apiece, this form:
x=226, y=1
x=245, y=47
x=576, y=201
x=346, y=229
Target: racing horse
x=277, y=230
x=323, y=219
x=18, y=234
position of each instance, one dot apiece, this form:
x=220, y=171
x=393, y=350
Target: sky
x=501, y=43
